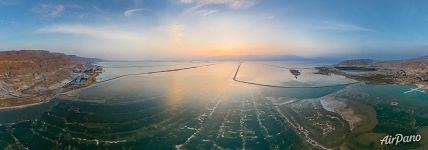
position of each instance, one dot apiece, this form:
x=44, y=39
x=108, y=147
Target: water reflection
x=201, y=108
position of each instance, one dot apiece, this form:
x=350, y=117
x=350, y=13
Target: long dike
x=278, y=86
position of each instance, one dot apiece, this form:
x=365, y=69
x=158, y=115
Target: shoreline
x=84, y=86
x=42, y=102
x=90, y=84
x=23, y=106
x=48, y=95
x=374, y=77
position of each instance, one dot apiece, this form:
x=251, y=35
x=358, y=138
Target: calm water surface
x=201, y=108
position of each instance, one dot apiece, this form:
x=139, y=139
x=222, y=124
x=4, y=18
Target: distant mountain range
x=422, y=58
x=92, y=60
x=270, y=58
x=414, y=63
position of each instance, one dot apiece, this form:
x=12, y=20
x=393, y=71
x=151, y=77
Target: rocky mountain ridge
x=31, y=76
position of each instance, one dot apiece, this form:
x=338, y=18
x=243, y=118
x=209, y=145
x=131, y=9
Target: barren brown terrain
x=34, y=76
x=402, y=72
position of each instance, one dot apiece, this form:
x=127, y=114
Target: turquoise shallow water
x=201, y=108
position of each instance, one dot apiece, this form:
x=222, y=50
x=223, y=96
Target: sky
x=169, y=29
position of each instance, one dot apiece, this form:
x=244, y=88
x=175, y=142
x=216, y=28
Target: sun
x=223, y=52
x=218, y=52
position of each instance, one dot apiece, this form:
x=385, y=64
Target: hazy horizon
x=188, y=29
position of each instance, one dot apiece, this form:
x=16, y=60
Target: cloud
x=113, y=41
x=185, y=1
x=240, y=4
x=131, y=12
x=204, y=7
x=235, y=4
x=205, y=12
x=93, y=31
x=57, y=10
x=50, y=9
x=332, y=25
x=176, y=31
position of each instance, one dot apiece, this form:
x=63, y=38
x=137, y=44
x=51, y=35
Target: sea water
x=200, y=108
